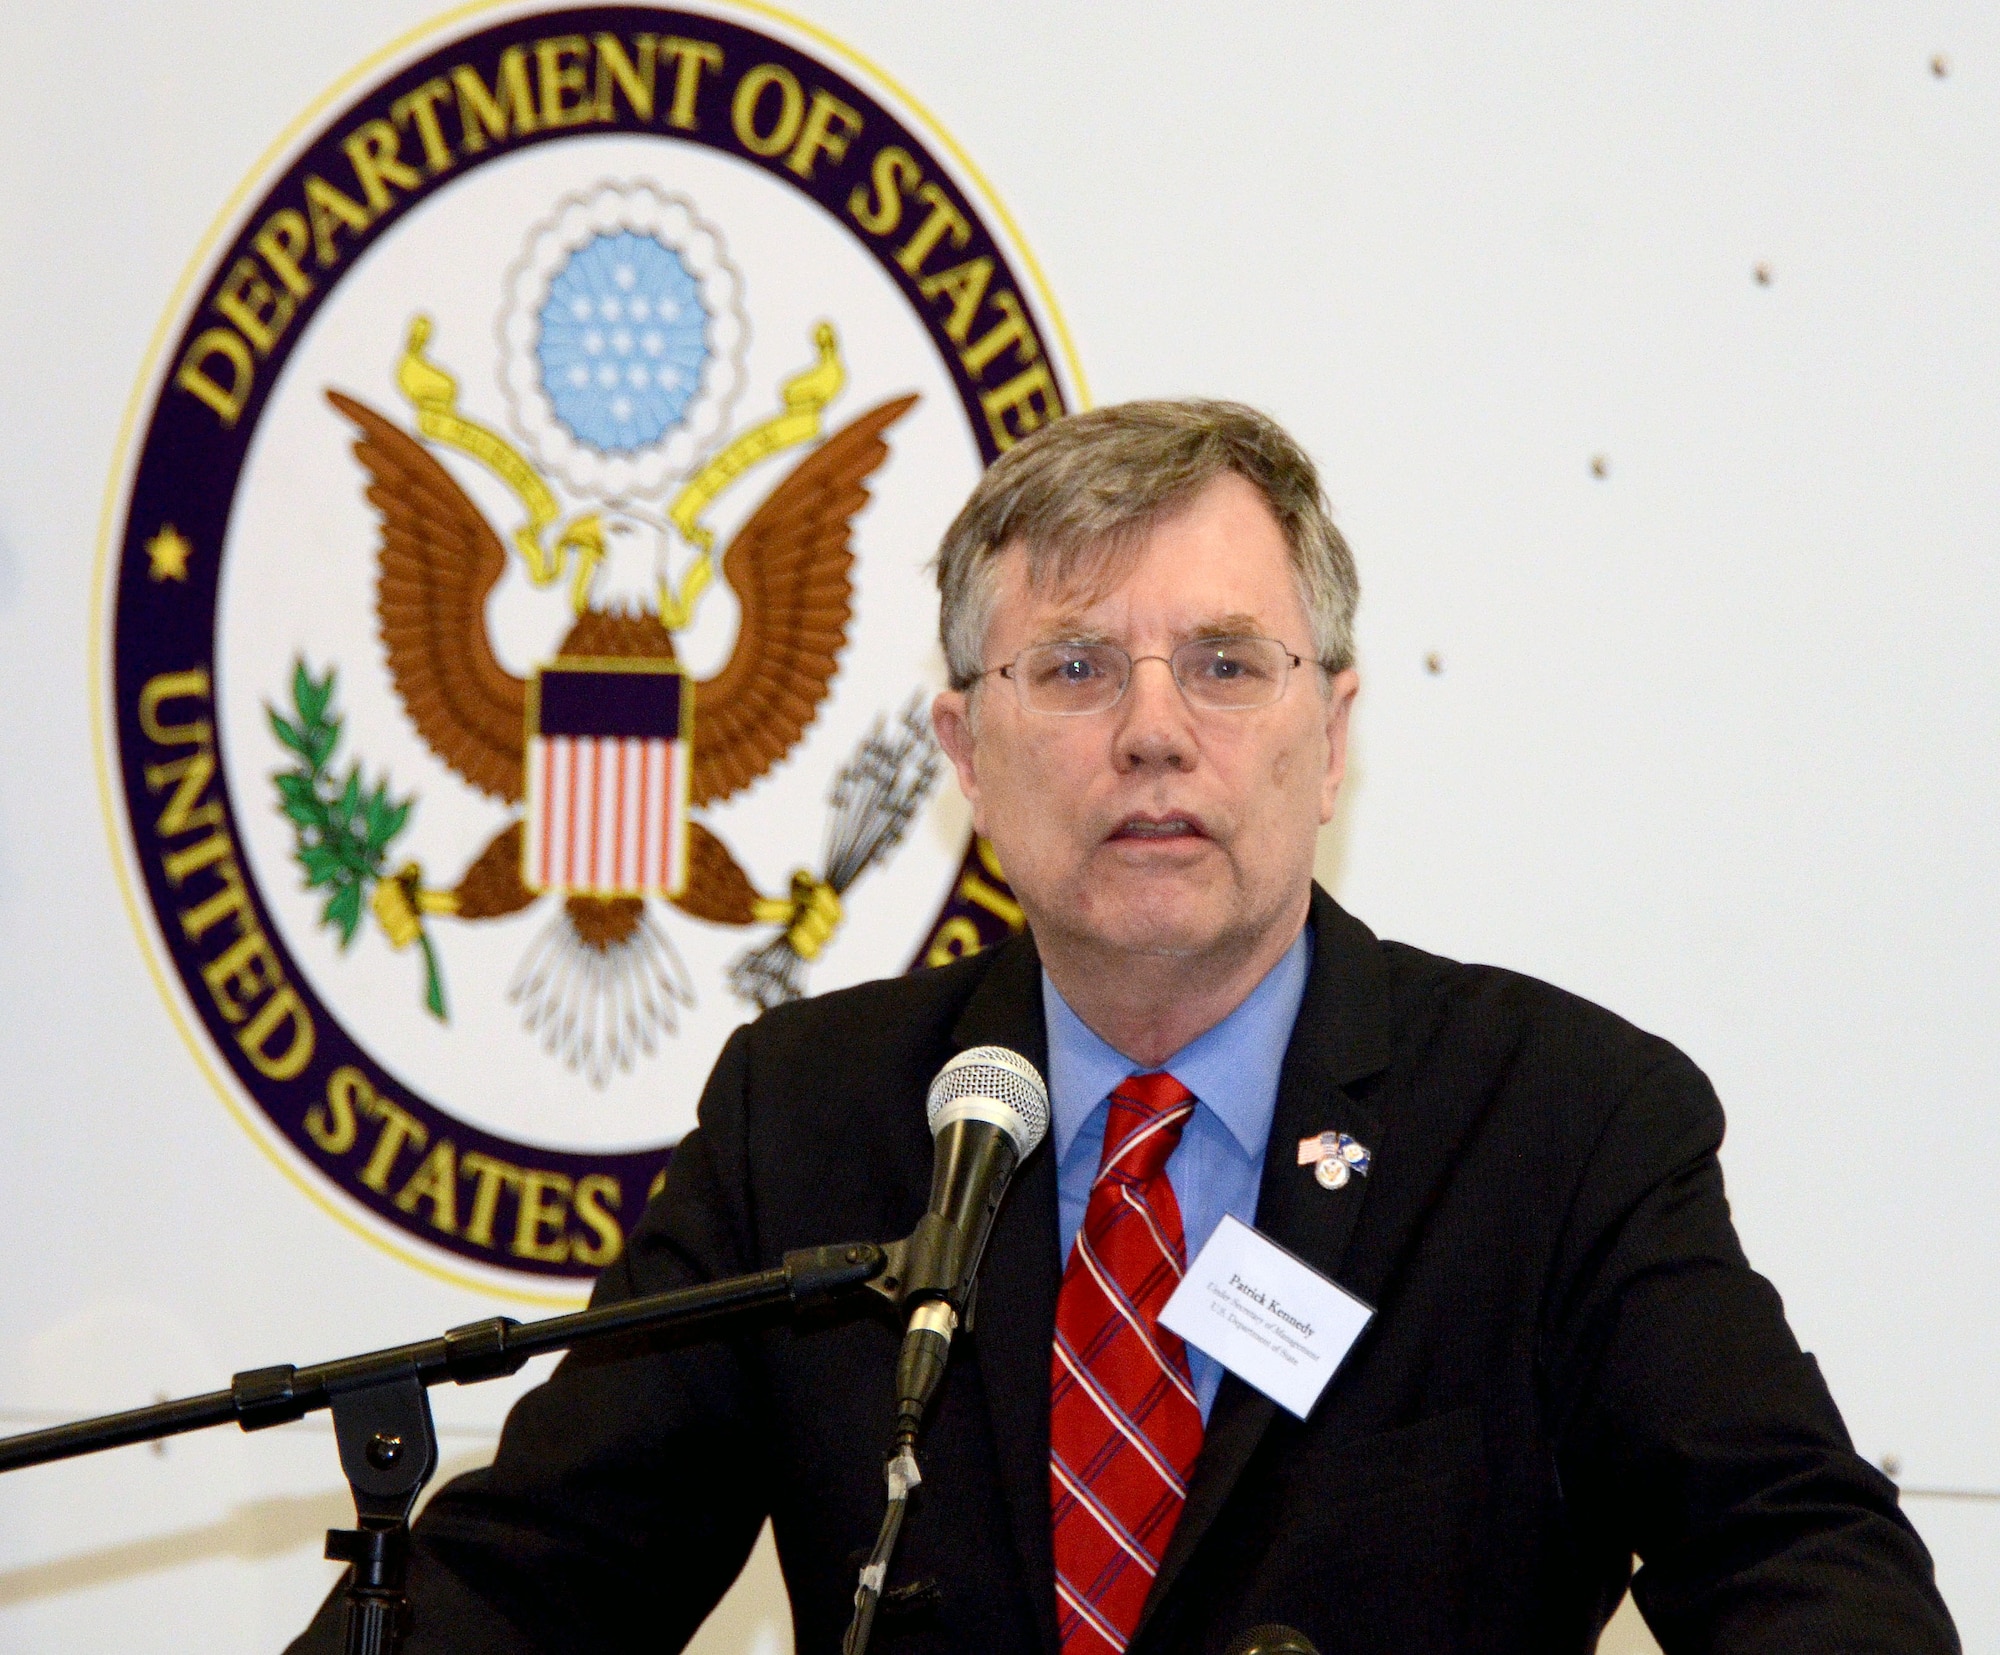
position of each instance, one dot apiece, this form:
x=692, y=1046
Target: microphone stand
x=932, y=1272
x=382, y=1413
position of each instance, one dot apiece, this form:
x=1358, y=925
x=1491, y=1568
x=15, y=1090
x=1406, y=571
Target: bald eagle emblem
x=608, y=755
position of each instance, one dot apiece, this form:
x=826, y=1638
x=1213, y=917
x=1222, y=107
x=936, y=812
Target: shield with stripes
x=608, y=752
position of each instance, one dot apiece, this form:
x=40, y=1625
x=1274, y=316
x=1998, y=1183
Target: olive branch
x=343, y=829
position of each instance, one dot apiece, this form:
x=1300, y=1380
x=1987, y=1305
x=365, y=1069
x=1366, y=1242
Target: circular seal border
x=968, y=917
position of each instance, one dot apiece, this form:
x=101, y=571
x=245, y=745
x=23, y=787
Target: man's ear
x=951, y=717
x=1340, y=691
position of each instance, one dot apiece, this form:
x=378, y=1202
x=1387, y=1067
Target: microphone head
x=1271, y=1640
x=992, y=1083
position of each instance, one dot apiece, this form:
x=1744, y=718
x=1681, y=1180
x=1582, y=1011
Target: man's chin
x=1150, y=923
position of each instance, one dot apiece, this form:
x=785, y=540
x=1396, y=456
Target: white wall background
x=1712, y=742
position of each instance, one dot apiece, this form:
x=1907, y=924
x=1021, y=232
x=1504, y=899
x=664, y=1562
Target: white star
x=640, y=309
x=635, y=376
x=621, y=342
x=652, y=343
x=593, y=342
x=607, y=376
x=624, y=276
x=621, y=410
x=670, y=378
x=579, y=376
x=669, y=311
x=609, y=309
x=579, y=309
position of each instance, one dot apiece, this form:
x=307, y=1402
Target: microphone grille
x=1271, y=1640
x=997, y=1075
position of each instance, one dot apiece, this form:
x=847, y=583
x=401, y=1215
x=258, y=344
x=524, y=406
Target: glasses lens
x=1232, y=672
x=1070, y=678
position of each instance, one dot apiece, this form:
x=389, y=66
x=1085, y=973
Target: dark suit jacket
x=1570, y=1361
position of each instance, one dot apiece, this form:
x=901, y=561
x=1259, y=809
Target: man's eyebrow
x=1070, y=627
x=1234, y=625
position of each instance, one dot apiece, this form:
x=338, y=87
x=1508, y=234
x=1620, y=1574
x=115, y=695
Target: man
x=1147, y=617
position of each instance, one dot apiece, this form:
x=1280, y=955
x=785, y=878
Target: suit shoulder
x=1542, y=1029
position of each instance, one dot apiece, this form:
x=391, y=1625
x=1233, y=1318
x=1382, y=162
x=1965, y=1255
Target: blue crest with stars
x=623, y=341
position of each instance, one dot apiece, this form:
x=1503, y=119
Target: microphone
x=988, y=1110
x=1271, y=1640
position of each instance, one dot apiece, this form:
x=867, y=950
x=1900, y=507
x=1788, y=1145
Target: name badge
x=1267, y=1316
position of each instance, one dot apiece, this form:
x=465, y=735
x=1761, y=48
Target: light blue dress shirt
x=1233, y=1072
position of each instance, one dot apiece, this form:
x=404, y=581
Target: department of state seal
x=518, y=633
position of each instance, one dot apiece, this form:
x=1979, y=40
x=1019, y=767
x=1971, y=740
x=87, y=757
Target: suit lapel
x=1014, y=1311
x=1341, y=1036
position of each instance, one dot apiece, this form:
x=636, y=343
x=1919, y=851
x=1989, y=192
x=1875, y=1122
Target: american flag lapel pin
x=1334, y=1158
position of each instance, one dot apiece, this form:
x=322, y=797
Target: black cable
x=902, y=1476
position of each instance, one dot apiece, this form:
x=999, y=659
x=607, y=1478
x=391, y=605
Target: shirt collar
x=1232, y=1069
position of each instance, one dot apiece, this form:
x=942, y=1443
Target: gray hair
x=1088, y=487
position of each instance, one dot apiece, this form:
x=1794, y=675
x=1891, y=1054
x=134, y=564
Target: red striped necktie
x=1124, y=1426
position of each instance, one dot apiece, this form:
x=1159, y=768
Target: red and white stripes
x=607, y=815
x=1124, y=1422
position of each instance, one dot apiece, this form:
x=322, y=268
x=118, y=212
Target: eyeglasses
x=1217, y=674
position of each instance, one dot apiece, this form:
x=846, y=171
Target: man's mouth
x=1159, y=827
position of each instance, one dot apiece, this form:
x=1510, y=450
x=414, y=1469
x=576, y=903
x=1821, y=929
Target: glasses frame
x=1006, y=670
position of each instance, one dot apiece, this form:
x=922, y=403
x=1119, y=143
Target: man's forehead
x=1085, y=590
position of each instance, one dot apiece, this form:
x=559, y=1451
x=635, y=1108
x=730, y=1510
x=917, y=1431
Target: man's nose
x=1154, y=728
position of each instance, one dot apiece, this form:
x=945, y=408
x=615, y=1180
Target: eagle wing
x=789, y=569
x=440, y=559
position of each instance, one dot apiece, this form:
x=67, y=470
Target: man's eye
x=1231, y=664
x=1065, y=668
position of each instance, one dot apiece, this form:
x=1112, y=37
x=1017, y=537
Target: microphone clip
x=932, y=1263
